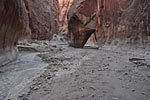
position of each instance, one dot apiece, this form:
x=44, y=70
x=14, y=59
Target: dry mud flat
x=90, y=74
x=54, y=71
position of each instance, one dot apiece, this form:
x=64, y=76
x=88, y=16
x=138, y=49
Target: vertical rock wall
x=11, y=25
x=41, y=19
x=124, y=22
x=115, y=21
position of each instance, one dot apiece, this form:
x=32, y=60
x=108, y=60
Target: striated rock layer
x=11, y=25
x=115, y=22
x=41, y=19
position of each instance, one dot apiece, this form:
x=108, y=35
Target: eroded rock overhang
x=115, y=22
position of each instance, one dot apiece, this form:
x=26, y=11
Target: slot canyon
x=74, y=50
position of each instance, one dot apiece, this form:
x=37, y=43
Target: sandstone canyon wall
x=64, y=6
x=11, y=25
x=41, y=19
x=114, y=21
x=25, y=19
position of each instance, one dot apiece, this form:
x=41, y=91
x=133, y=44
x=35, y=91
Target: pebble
x=133, y=90
x=143, y=93
x=21, y=95
x=115, y=98
x=125, y=73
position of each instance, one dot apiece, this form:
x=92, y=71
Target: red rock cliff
x=115, y=22
x=11, y=25
x=41, y=19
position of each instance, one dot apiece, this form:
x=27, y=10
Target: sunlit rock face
x=11, y=25
x=116, y=21
x=41, y=19
x=64, y=6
